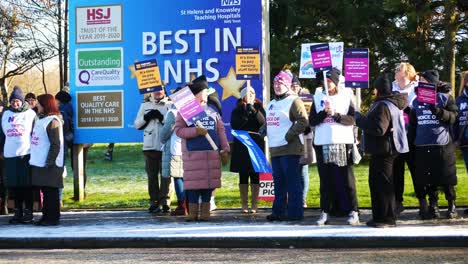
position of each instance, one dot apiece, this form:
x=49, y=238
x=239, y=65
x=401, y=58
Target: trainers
x=154, y=209
x=353, y=218
x=273, y=217
x=372, y=223
x=323, y=219
x=166, y=209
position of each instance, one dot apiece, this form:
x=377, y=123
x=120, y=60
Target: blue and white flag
x=259, y=161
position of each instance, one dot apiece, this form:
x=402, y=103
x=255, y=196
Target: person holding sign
x=249, y=115
x=202, y=166
x=150, y=119
x=435, y=160
x=384, y=139
x=405, y=82
x=47, y=158
x=286, y=121
x=460, y=127
x=332, y=115
x=17, y=124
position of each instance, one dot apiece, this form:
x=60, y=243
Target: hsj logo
x=230, y=2
x=98, y=16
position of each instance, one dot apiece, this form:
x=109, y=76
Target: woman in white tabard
x=332, y=115
x=286, y=121
x=17, y=123
x=47, y=158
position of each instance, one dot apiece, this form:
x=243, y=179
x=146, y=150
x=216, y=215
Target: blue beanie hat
x=17, y=93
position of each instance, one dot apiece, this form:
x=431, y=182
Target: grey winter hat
x=198, y=84
x=17, y=93
x=432, y=76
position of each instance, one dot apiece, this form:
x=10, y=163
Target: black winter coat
x=249, y=118
x=377, y=125
x=436, y=165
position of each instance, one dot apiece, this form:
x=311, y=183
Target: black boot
x=18, y=214
x=3, y=201
x=452, y=211
x=423, y=209
x=27, y=217
x=433, y=210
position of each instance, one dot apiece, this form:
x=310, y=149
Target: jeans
x=193, y=195
x=288, y=187
x=179, y=189
x=304, y=169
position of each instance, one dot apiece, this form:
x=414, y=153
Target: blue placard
x=259, y=161
x=186, y=37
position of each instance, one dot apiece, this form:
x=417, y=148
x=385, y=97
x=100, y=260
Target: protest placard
x=356, y=68
x=148, y=76
x=427, y=93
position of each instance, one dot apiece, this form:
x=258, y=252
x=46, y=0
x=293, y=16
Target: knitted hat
x=63, y=97
x=198, y=84
x=30, y=95
x=383, y=84
x=295, y=80
x=245, y=90
x=334, y=75
x=432, y=76
x=17, y=93
x=285, y=77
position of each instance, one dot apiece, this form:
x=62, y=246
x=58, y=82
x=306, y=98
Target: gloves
x=224, y=157
x=153, y=114
x=307, y=130
x=201, y=131
x=250, y=109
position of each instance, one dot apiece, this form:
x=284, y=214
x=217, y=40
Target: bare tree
x=18, y=53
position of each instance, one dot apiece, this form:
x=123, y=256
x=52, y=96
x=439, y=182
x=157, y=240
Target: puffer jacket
x=171, y=164
x=151, y=129
x=202, y=168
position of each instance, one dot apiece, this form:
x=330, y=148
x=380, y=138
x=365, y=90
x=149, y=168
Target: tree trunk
x=451, y=26
x=4, y=91
x=65, y=45
x=59, y=39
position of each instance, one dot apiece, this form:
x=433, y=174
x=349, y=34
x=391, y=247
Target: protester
x=172, y=166
x=405, y=82
x=309, y=154
x=63, y=101
x=435, y=160
x=150, y=119
x=215, y=103
x=286, y=121
x=17, y=123
x=47, y=158
x=249, y=116
x=109, y=155
x=31, y=99
x=333, y=118
x=460, y=131
x=3, y=189
x=202, y=166
x=384, y=139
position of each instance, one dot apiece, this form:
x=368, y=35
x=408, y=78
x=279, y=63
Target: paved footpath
x=229, y=228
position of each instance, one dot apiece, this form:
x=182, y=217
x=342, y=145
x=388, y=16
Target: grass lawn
x=122, y=183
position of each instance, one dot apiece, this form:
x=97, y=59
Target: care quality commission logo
x=99, y=67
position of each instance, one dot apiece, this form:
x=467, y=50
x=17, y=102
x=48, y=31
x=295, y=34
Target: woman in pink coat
x=202, y=164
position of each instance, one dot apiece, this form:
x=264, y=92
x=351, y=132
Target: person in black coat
x=249, y=115
x=435, y=159
x=384, y=139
